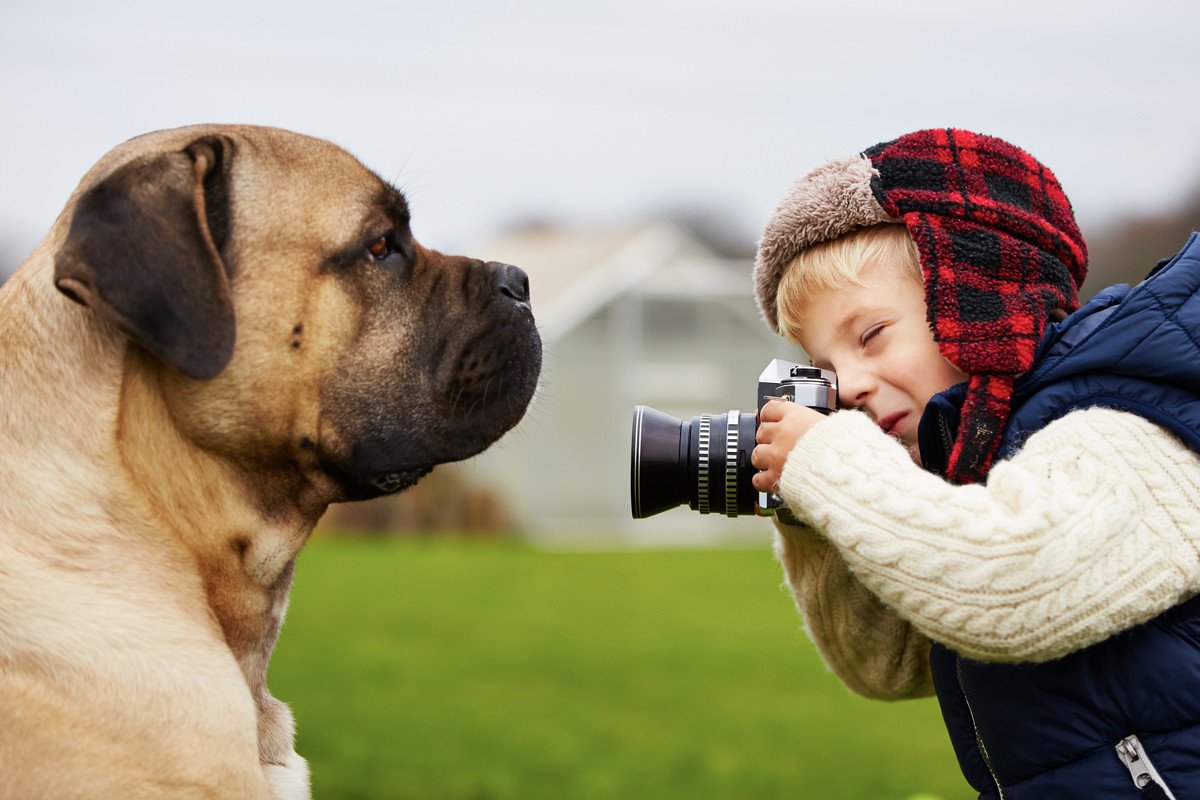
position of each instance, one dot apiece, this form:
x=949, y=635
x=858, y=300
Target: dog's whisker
x=457, y=397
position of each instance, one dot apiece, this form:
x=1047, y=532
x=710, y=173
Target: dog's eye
x=380, y=249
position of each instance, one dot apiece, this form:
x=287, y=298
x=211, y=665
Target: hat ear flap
x=144, y=251
x=981, y=427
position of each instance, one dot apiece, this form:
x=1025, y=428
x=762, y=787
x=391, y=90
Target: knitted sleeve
x=865, y=644
x=1091, y=528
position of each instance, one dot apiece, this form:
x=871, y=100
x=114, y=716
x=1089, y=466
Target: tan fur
x=149, y=522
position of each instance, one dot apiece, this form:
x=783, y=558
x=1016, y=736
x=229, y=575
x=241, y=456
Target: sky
x=490, y=114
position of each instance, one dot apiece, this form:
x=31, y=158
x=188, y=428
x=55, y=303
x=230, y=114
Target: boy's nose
x=855, y=387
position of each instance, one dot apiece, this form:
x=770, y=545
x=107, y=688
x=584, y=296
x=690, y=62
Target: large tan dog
x=227, y=329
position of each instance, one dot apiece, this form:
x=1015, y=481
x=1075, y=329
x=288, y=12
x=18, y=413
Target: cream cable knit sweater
x=1091, y=528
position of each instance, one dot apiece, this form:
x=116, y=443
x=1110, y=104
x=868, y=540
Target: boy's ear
x=144, y=251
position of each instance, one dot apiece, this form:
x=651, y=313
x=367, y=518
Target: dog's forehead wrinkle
x=320, y=202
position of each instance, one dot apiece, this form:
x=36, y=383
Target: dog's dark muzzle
x=494, y=372
x=482, y=362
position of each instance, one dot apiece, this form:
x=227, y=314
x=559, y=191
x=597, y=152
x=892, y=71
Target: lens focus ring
x=702, y=463
x=731, y=465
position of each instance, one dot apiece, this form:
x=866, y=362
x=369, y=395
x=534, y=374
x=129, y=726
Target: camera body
x=706, y=463
x=799, y=383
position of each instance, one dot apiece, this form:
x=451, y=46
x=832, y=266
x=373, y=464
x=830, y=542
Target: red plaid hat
x=999, y=250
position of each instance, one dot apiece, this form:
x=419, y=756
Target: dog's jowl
x=227, y=329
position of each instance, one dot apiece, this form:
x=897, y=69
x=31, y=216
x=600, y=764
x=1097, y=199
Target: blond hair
x=839, y=263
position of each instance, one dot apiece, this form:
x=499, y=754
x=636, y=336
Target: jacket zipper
x=1134, y=757
x=947, y=439
x=987, y=762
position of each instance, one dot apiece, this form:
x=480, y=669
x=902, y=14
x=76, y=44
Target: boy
x=1039, y=573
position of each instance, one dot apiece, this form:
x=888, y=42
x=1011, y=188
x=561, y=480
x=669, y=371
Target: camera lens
x=704, y=463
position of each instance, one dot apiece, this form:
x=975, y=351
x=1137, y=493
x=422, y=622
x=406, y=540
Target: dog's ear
x=145, y=251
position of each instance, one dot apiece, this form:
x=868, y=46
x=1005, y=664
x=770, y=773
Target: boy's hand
x=782, y=425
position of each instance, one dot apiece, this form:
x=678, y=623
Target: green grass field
x=492, y=671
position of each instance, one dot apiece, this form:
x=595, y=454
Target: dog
x=227, y=329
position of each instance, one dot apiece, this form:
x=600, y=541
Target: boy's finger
x=773, y=411
x=760, y=457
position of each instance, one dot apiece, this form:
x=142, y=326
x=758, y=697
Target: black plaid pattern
x=1000, y=251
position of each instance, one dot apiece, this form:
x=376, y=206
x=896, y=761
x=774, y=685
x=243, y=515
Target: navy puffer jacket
x=1051, y=730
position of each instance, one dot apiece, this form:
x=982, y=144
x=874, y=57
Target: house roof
x=573, y=271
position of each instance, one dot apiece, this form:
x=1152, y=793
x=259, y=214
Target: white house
x=637, y=315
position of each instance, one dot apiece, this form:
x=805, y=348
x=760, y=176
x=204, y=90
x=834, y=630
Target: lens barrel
x=704, y=463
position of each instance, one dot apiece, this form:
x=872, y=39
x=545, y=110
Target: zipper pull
x=1133, y=756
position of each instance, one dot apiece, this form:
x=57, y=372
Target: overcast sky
x=490, y=113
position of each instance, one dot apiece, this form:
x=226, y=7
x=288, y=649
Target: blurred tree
x=714, y=227
x=443, y=502
x=1127, y=250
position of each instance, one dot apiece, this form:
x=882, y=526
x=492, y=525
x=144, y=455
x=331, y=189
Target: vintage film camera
x=706, y=462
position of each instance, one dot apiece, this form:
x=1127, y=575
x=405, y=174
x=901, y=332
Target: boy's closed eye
x=870, y=333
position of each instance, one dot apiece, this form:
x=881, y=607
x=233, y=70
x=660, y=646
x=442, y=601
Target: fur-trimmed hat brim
x=831, y=201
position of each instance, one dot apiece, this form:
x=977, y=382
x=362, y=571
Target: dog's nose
x=511, y=281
